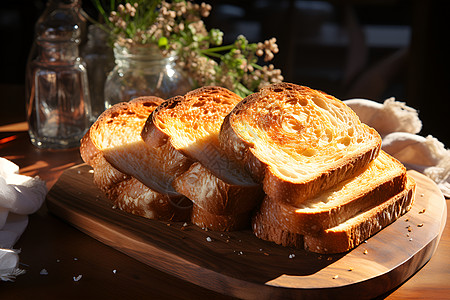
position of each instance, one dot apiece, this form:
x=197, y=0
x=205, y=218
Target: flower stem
x=217, y=49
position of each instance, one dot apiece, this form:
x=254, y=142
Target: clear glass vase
x=58, y=101
x=142, y=70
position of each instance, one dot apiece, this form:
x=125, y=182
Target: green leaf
x=163, y=42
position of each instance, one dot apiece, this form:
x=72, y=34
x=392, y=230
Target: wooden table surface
x=64, y=252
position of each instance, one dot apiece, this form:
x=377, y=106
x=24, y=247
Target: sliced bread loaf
x=346, y=235
x=297, y=141
x=356, y=230
x=130, y=195
x=117, y=134
x=190, y=124
x=383, y=178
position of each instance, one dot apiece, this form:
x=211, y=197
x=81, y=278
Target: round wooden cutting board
x=240, y=265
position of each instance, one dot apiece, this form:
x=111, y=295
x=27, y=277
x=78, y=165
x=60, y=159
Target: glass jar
x=99, y=59
x=58, y=102
x=142, y=70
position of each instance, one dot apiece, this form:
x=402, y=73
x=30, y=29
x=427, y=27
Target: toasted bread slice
x=106, y=176
x=130, y=195
x=117, y=134
x=383, y=178
x=344, y=236
x=297, y=141
x=213, y=194
x=356, y=230
x=190, y=124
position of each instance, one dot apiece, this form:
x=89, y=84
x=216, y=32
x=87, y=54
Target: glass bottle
x=58, y=102
x=99, y=59
x=142, y=70
x=73, y=7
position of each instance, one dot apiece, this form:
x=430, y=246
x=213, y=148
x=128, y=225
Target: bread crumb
x=365, y=251
x=350, y=269
x=329, y=258
x=422, y=211
x=114, y=271
x=75, y=258
x=208, y=239
x=406, y=220
x=335, y=276
x=77, y=278
x=266, y=254
x=291, y=255
x=43, y=272
x=420, y=225
x=410, y=239
x=409, y=228
x=91, y=171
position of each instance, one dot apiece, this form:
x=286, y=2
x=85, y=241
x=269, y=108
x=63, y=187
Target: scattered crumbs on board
x=77, y=278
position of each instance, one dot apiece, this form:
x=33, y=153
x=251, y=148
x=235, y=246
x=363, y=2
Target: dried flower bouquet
x=176, y=27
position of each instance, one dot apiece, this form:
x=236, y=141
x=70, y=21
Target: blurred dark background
x=372, y=49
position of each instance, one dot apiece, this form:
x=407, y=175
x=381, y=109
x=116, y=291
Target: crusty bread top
x=382, y=179
x=122, y=121
x=191, y=125
x=117, y=134
x=298, y=134
x=384, y=168
x=195, y=117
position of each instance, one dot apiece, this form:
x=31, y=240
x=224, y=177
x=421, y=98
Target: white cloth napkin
x=399, y=126
x=20, y=196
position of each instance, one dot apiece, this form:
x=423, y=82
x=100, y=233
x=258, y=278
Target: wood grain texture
x=240, y=265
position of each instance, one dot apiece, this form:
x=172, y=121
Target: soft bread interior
x=300, y=132
x=117, y=133
x=193, y=126
x=382, y=169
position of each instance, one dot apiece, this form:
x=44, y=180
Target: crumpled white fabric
x=20, y=196
x=399, y=125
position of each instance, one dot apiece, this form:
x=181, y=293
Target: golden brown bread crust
x=214, y=195
x=106, y=177
x=383, y=178
x=125, y=191
x=134, y=197
x=350, y=234
x=117, y=134
x=344, y=236
x=190, y=124
x=285, y=122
